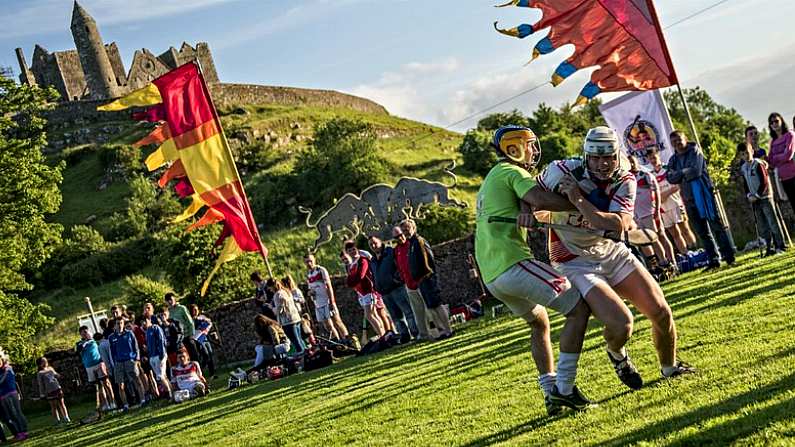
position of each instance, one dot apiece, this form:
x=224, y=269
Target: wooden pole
x=225, y=142
x=91, y=315
x=689, y=116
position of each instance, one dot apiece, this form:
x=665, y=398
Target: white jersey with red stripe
x=615, y=196
x=674, y=201
x=646, y=196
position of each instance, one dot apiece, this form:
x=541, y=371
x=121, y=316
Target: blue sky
x=431, y=60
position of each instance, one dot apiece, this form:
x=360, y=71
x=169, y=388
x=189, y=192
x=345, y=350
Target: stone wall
x=76, y=113
x=235, y=321
x=225, y=95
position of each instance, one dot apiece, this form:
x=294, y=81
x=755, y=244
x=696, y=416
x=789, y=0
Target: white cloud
x=404, y=92
x=44, y=16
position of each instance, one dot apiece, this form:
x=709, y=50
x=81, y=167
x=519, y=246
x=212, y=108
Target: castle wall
x=116, y=64
x=145, y=68
x=71, y=72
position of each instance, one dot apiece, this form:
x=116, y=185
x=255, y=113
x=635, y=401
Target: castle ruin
x=94, y=70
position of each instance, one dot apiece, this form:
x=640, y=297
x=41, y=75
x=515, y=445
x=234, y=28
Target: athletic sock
x=567, y=372
x=546, y=382
x=621, y=355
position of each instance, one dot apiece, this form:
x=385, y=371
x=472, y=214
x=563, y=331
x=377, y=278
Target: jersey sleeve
x=623, y=200
x=551, y=175
x=521, y=182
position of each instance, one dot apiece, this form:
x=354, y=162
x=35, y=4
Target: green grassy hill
x=412, y=148
x=478, y=388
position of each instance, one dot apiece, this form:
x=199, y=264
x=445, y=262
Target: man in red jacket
x=360, y=278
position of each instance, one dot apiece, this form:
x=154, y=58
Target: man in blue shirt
x=156, y=343
x=688, y=168
x=96, y=369
x=124, y=349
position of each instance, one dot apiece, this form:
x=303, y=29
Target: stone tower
x=101, y=82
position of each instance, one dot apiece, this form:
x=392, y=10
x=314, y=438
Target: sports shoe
x=553, y=408
x=681, y=368
x=576, y=400
x=627, y=372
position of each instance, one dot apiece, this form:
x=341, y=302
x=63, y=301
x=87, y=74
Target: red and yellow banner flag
x=191, y=139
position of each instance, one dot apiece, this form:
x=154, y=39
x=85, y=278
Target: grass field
x=736, y=325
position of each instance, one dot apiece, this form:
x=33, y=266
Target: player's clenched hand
x=525, y=220
x=570, y=188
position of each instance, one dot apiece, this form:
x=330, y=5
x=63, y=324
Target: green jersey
x=498, y=245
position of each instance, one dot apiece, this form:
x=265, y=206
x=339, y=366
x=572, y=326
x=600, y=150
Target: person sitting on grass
x=50, y=389
x=187, y=375
x=96, y=368
x=273, y=344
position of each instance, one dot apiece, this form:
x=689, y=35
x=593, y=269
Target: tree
x=28, y=193
x=479, y=156
x=496, y=120
x=343, y=158
x=720, y=128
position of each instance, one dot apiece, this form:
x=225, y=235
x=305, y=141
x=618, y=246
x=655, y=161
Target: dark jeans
x=206, y=355
x=293, y=332
x=429, y=288
x=13, y=412
x=192, y=346
x=397, y=304
x=767, y=224
x=705, y=228
x=789, y=190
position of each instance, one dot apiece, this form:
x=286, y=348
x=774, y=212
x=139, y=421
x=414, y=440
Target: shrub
x=138, y=290
x=81, y=243
x=123, y=156
x=118, y=260
x=557, y=146
x=187, y=259
x=439, y=224
x=343, y=158
x=478, y=154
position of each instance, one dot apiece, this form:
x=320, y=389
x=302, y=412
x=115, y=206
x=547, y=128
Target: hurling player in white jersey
x=605, y=271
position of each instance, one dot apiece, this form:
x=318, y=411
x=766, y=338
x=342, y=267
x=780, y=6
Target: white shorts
x=672, y=217
x=323, y=313
x=648, y=223
x=612, y=269
x=158, y=365
x=367, y=300
x=97, y=372
x=527, y=285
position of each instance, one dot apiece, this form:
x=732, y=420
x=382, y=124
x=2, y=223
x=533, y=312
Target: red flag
x=622, y=37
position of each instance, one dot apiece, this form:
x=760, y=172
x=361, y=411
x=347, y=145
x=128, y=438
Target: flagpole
x=229, y=151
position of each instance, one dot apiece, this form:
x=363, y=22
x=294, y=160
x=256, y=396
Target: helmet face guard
x=600, y=142
x=517, y=144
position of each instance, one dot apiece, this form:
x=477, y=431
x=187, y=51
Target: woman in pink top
x=781, y=151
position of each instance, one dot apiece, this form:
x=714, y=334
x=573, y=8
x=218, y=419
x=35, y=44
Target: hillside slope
x=93, y=189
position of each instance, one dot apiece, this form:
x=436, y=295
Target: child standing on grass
x=50, y=389
x=9, y=400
